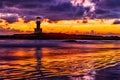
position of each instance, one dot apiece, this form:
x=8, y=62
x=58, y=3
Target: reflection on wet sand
x=44, y=73
x=81, y=63
x=68, y=62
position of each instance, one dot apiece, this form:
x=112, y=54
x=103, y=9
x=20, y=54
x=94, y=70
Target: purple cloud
x=55, y=9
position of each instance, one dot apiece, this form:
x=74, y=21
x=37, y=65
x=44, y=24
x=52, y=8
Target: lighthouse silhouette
x=38, y=28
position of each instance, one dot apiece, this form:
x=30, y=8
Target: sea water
x=59, y=60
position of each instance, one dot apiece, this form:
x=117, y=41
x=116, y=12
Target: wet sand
x=59, y=60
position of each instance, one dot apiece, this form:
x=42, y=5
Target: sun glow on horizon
x=99, y=26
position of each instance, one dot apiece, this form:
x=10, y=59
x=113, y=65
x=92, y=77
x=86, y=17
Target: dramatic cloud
x=8, y=31
x=111, y=3
x=10, y=10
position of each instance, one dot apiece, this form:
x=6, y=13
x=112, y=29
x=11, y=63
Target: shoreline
x=57, y=36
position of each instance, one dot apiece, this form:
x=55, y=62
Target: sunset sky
x=63, y=16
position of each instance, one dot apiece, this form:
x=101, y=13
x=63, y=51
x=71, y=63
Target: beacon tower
x=38, y=30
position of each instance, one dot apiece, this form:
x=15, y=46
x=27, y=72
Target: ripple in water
x=94, y=60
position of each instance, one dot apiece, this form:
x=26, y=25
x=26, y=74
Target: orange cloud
x=65, y=26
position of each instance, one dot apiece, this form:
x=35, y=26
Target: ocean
x=59, y=60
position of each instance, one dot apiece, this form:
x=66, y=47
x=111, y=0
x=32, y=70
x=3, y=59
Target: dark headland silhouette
x=41, y=36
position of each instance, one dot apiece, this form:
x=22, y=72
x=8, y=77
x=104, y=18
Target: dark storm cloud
x=11, y=19
x=101, y=11
x=65, y=11
x=108, y=9
x=111, y=3
x=67, y=6
x=28, y=6
x=55, y=9
x=1, y=5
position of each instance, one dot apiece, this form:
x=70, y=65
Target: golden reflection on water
x=79, y=63
x=72, y=59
